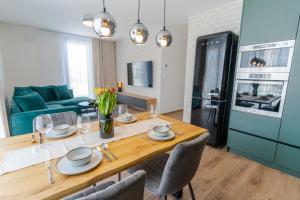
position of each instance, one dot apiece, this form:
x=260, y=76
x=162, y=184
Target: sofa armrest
x=21, y=123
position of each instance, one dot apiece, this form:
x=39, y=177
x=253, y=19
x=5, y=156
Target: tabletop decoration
x=106, y=99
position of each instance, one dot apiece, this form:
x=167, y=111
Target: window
x=78, y=59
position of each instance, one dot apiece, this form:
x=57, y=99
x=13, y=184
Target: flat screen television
x=140, y=73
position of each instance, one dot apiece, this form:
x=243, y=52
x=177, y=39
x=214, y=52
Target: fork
x=48, y=166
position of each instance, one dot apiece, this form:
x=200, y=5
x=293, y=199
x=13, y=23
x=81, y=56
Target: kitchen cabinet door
x=269, y=21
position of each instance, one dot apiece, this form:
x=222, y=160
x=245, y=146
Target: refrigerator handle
x=218, y=101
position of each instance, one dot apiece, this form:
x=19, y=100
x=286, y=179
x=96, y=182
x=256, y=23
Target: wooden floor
x=226, y=176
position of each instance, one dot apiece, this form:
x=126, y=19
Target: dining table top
x=32, y=182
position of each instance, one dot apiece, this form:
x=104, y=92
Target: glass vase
x=106, y=126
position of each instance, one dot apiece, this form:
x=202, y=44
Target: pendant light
x=164, y=37
x=104, y=24
x=138, y=32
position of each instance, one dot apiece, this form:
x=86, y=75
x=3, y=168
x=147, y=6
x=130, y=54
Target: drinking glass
x=122, y=108
x=44, y=124
x=83, y=123
x=154, y=110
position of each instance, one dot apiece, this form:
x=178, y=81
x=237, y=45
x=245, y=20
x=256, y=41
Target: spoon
x=105, y=147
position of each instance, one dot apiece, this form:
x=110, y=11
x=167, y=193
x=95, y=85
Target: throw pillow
x=19, y=91
x=46, y=92
x=62, y=92
x=30, y=102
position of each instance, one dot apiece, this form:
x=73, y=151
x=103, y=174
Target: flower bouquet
x=106, y=100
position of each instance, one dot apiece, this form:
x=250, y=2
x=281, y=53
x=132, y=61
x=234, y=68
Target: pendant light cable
x=139, y=8
x=164, y=14
x=103, y=2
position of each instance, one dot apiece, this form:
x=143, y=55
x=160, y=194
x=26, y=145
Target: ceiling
x=65, y=15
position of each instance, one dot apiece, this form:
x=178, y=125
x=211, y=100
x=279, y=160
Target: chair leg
x=178, y=194
x=166, y=197
x=119, y=176
x=191, y=191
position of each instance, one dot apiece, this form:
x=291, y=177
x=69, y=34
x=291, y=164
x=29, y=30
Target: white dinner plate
x=64, y=166
x=52, y=135
x=119, y=119
x=152, y=135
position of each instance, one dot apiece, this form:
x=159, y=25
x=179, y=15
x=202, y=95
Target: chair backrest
x=69, y=117
x=182, y=165
x=132, y=187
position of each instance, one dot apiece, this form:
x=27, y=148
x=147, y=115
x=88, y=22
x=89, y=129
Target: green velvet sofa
x=21, y=120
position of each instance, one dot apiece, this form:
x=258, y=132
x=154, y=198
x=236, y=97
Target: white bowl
x=79, y=156
x=61, y=129
x=161, y=131
x=126, y=117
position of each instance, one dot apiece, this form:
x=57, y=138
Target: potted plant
x=106, y=100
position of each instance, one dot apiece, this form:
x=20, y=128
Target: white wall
x=127, y=52
x=173, y=76
x=168, y=82
x=30, y=56
x=225, y=18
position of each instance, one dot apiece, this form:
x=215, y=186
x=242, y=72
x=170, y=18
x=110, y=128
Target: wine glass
x=122, y=109
x=83, y=123
x=44, y=124
x=154, y=110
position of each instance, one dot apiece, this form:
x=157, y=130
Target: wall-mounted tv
x=140, y=73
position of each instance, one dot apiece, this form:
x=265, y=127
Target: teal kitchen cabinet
x=266, y=127
x=252, y=146
x=269, y=21
x=288, y=158
x=290, y=125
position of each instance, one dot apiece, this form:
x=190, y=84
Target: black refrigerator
x=213, y=84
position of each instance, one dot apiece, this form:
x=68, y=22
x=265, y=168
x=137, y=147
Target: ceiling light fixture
x=104, y=24
x=87, y=21
x=164, y=36
x=138, y=32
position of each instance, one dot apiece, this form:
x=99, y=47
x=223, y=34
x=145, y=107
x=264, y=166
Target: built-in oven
x=266, y=58
x=260, y=93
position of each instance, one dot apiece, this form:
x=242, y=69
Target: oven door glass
x=260, y=97
x=266, y=60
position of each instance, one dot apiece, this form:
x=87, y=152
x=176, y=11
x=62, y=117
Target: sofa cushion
x=46, y=92
x=62, y=92
x=69, y=102
x=19, y=91
x=30, y=102
x=52, y=106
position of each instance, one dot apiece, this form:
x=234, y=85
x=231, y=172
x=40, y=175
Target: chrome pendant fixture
x=164, y=36
x=138, y=32
x=104, y=24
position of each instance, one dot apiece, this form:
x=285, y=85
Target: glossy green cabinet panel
x=288, y=157
x=290, y=127
x=269, y=21
x=266, y=127
x=253, y=146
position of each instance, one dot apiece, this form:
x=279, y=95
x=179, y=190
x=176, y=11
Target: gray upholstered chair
x=167, y=174
x=132, y=187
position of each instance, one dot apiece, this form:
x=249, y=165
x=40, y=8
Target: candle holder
x=120, y=86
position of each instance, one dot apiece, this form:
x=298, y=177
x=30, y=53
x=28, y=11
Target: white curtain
x=78, y=64
x=104, y=61
x=4, y=129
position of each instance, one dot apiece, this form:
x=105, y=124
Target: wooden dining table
x=32, y=182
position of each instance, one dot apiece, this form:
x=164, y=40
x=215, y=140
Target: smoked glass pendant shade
x=104, y=24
